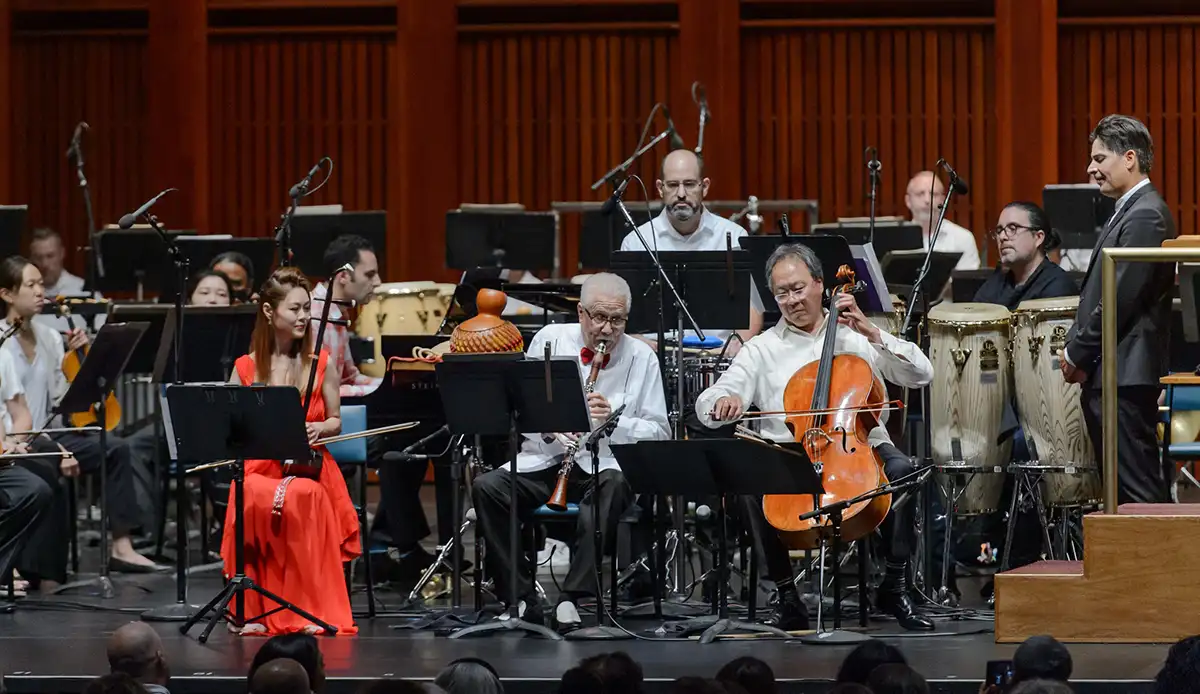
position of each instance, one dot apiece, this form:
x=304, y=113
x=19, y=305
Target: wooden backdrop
x=424, y=104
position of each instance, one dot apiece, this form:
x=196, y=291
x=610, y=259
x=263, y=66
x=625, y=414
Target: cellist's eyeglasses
x=782, y=296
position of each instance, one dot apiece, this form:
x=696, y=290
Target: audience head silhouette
x=755, y=676
x=301, y=648
x=616, y=671
x=1041, y=657
x=862, y=661
x=136, y=650
x=1042, y=687
x=894, y=678
x=280, y=676
x=469, y=676
x=1180, y=674
x=114, y=683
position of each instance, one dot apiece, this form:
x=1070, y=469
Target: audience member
x=469, y=676
x=850, y=688
x=1041, y=657
x=1180, y=674
x=578, y=680
x=391, y=686
x=1042, y=687
x=894, y=678
x=755, y=676
x=280, y=676
x=697, y=685
x=865, y=657
x=136, y=650
x=301, y=648
x=114, y=683
x=616, y=671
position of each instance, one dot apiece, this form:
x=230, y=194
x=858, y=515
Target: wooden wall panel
x=544, y=114
x=814, y=99
x=278, y=104
x=1147, y=71
x=59, y=81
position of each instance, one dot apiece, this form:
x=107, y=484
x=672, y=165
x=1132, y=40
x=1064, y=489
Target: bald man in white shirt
x=759, y=375
x=924, y=196
x=629, y=376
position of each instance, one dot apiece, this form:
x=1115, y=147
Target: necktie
x=586, y=355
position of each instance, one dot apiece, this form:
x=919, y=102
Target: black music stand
x=201, y=250
x=12, y=229
x=718, y=467
x=1078, y=212
x=521, y=240
x=601, y=235
x=524, y=396
x=105, y=361
x=214, y=422
x=832, y=250
x=312, y=233
x=902, y=268
x=135, y=260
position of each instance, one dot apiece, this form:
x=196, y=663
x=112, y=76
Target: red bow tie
x=586, y=355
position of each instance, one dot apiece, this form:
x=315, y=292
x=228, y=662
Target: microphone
x=611, y=203
x=406, y=454
x=753, y=217
x=301, y=189
x=873, y=164
x=128, y=220
x=73, y=150
x=700, y=97
x=784, y=229
x=956, y=183
x=672, y=133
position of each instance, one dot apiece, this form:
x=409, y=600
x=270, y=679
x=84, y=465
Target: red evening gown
x=299, y=554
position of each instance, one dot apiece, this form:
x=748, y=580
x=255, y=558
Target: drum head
x=968, y=313
x=1058, y=303
x=406, y=288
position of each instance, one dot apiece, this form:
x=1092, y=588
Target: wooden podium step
x=1136, y=582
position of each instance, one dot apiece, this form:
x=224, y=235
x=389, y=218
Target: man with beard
x=686, y=225
x=1023, y=236
x=925, y=194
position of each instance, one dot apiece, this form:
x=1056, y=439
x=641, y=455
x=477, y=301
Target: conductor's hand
x=598, y=406
x=313, y=430
x=76, y=338
x=852, y=316
x=728, y=408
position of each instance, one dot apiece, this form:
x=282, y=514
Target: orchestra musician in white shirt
x=758, y=377
x=924, y=195
x=629, y=376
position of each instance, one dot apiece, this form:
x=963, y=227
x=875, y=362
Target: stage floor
x=44, y=649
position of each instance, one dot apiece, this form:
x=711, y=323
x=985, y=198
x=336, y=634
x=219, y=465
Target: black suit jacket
x=1143, y=297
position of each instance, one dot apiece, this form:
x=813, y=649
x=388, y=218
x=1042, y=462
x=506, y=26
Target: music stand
x=703, y=280
x=524, y=396
x=214, y=422
x=965, y=284
x=12, y=229
x=1078, y=212
x=312, y=234
x=601, y=235
x=902, y=268
x=101, y=368
x=135, y=260
x=201, y=250
x=832, y=250
x=521, y=240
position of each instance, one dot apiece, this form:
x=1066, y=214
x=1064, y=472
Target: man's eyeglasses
x=786, y=295
x=1009, y=231
x=689, y=186
x=617, y=322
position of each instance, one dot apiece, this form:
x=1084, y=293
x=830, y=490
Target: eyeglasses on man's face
x=617, y=322
x=1009, y=230
x=673, y=186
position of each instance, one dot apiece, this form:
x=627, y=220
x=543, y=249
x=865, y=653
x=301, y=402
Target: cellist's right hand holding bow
x=728, y=408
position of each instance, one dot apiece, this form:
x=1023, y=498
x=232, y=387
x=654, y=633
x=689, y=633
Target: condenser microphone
x=672, y=133
x=958, y=184
x=128, y=220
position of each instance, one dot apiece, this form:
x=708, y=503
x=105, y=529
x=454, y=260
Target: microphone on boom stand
x=672, y=133
x=873, y=168
x=700, y=98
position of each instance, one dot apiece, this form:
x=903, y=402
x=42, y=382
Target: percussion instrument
x=699, y=372
x=1049, y=408
x=487, y=332
x=890, y=321
x=401, y=308
x=971, y=386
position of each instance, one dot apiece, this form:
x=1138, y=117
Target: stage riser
x=1133, y=586
x=224, y=685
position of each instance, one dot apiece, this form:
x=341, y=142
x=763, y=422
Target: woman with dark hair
x=298, y=531
x=1178, y=673
x=210, y=288
x=469, y=676
x=865, y=657
x=300, y=647
x=1023, y=237
x=239, y=269
x=755, y=676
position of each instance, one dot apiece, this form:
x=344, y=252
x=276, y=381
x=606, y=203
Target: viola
x=72, y=363
x=832, y=404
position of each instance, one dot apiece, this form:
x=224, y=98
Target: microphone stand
x=180, y=610
x=621, y=168
x=95, y=263
x=873, y=167
x=283, y=232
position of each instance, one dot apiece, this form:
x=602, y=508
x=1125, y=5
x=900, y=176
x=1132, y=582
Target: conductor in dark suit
x=1122, y=154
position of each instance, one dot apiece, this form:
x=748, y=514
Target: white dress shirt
x=42, y=377
x=72, y=286
x=709, y=236
x=631, y=378
x=10, y=387
x=760, y=372
x=955, y=239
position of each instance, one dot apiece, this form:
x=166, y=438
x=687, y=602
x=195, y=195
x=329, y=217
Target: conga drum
x=1049, y=408
x=401, y=308
x=971, y=377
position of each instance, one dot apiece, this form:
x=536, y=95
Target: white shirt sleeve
x=739, y=380
x=646, y=417
x=901, y=362
x=57, y=351
x=10, y=380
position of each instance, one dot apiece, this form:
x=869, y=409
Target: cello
x=831, y=405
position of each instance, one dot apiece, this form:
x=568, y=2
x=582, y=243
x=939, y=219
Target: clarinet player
x=627, y=375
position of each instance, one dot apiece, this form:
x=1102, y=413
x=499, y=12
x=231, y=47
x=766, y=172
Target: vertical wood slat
x=1147, y=72
x=7, y=145
x=907, y=113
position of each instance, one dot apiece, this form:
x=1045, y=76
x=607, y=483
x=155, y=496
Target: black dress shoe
x=789, y=614
x=894, y=600
x=127, y=567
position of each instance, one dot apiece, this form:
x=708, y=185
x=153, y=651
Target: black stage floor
x=58, y=650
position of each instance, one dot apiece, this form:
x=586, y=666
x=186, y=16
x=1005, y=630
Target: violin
x=72, y=363
x=832, y=404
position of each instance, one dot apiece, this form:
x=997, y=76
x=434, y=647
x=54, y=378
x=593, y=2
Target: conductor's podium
x=1136, y=582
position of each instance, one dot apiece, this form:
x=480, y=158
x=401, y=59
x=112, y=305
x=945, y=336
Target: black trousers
x=1139, y=469
x=399, y=516
x=492, y=497
x=899, y=529
x=123, y=509
x=45, y=555
x=25, y=501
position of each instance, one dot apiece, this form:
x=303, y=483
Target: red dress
x=299, y=554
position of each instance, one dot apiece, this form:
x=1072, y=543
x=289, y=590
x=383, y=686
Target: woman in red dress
x=298, y=531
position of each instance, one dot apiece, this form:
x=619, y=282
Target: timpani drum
x=971, y=385
x=402, y=308
x=1049, y=408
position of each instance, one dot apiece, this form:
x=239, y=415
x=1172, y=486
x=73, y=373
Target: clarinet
x=558, y=498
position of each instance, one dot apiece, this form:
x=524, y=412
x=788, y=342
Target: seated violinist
x=759, y=375
x=298, y=531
